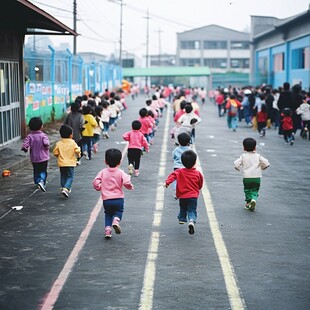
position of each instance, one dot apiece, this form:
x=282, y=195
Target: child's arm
x=264, y=163
x=127, y=181
x=56, y=150
x=77, y=150
x=46, y=142
x=238, y=163
x=26, y=144
x=126, y=136
x=171, y=177
x=145, y=144
x=97, y=182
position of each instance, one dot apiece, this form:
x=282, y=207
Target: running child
x=110, y=182
x=252, y=165
x=137, y=142
x=67, y=152
x=38, y=143
x=189, y=182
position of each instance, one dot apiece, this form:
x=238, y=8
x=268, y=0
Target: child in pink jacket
x=110, y=182
x=137, y=141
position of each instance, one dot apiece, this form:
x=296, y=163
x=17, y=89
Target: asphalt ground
x=54, y=254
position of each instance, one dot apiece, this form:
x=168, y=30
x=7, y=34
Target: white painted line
x=52, y=296
x=147, y=293
x=230, y=278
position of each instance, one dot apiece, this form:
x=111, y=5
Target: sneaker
x=175, y=197
x=247, y=206
x=137, y=173
x=107, y=135
x=130, y=169
x=65, y=192
x=181, y=222
x=108, y=232
x=191, y=228
x=291, y=142
x=78, y=162
x=252, y=205
x=41, y=186
x=116, y=226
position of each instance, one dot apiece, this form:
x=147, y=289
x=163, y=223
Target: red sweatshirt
x=189, y=182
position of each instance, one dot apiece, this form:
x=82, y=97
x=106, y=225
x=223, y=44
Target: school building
x=280, y=50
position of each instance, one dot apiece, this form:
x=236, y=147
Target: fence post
x=70, y=75
x=53, y=82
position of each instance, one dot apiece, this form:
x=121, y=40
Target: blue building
x=280, y=50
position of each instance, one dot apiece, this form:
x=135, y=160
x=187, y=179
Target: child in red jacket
x=287, y=126
x=189, y=183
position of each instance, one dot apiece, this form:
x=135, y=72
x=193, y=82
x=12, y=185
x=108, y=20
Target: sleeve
x=26, y=143
x=171, y=177
x=46, y=142
x=264, y=163
x=126, y=136
x=97, y=181
x=77, y=150
x=126, y=180
x=56, y=150
x=93, y=122
x=144, y=143
x=238, y=163
x=200, y=184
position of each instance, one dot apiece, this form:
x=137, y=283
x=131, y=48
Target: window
x=240, y=45
x=278, y=62
x=300, y=58
x=190, y=45
x=219, y=63
x=190, y=62
x=239, y=63
x=263, y=66
x=215, y=45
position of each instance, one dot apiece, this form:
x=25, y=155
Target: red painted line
x=51, y=298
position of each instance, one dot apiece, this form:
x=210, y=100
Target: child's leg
x=192, y=209
x=66, y=177
x=137, y=158
x=114, y=209
x=251, y=188
x=183, y=209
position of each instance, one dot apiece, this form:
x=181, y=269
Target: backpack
x=233, y=110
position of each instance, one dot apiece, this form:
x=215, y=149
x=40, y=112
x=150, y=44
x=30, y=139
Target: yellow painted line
x=147, y=293
x=230, y=278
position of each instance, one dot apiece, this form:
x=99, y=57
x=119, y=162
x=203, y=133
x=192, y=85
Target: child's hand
x=24, y=149
x=165, y=185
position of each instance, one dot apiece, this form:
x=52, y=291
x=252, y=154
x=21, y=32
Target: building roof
x=25, y=16
x=166, y=71
x=277, y=23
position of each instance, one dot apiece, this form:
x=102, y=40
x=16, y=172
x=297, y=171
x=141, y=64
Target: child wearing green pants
x=252, y=165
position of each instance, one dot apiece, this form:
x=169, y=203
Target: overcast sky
x=99, y=20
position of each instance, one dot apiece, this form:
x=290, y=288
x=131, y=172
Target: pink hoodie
x=110, y=182
x=136, y=140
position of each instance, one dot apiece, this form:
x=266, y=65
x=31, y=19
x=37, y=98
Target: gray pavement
x=268, y=249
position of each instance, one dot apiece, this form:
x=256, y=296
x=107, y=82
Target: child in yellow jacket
x=67, y=152
x=90, y=124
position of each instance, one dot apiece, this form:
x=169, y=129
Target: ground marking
x=236, y=302
x=52, y=296
x=147, y=293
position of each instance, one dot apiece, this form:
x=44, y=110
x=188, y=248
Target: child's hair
x=98, y=110
x=262, y=96
x=188, y=108
x=188, y=159
x=143, y=112
x=104, y=104
x=112, y=94
x=136, y=125
x=112, y=101
x=183, y=104
x=87, y=109
x=287, y=112
x=148, y=102
x=264, y=108
x=113, y=157
x=117, y=98
x=35, y=123
x=154, y=97
x=75, y=106
x=249, y=144
x=65, y=131
x=150, y=113
x=184, y=139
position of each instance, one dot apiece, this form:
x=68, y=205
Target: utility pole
x=121, y=36
x=147, y=43
x=159, y=47
x=74, y=26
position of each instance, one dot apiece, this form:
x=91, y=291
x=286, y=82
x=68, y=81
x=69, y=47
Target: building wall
x=282, y=54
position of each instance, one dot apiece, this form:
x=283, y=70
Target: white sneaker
x=65, y=192
x=191, y=228
x=130, y=169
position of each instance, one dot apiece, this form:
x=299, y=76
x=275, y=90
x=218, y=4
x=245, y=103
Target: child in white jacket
x=304, y=110
x=252, y=165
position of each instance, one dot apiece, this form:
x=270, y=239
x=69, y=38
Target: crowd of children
x=287, y=109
